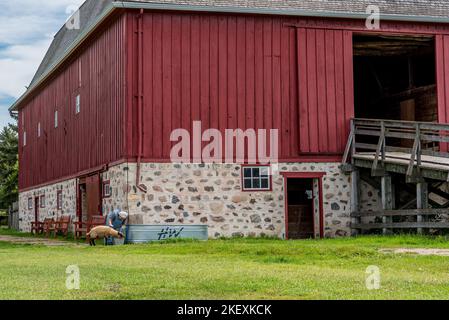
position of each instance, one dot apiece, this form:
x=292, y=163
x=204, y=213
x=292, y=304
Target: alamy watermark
x=236, y=146
x=73, y=277
x=74, y=20
x=373, y=20
x=372, y=281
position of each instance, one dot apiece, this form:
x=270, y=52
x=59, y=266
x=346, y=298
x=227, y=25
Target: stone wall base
x=206, y=194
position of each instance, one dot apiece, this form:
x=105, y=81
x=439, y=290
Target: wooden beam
x=387, y=200
x=402, y=225
x=401, y=169
x=355, y=198
x=422, y=201
x=439, y=192
x=400, y=213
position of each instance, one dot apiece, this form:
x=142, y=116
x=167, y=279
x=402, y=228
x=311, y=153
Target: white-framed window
x=107, y=190
x=56, y=118
x=59, y=199
x=256, y=178
x=30, y=203
x=78, y=104
x=39, y=130
x=42, y=201
x=24, y=138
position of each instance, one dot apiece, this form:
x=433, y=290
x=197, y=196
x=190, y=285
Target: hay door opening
x=395, y=77
x=300, y=208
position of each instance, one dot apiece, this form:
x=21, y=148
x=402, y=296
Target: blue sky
x=27, y=28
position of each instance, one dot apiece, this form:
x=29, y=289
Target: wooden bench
x=36, y=227
x=81, y=227
x=62, y=225
x=48, y=226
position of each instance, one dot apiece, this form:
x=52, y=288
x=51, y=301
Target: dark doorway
x=89, y=197
x=300, y=208
x=395, y=77
x=36, y=209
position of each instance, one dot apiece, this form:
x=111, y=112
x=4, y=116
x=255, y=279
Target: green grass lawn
x=227, y=269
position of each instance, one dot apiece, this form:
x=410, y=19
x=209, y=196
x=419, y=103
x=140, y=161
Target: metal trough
x=148, y=233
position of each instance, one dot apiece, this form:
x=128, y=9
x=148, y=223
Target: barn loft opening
x=394, y=77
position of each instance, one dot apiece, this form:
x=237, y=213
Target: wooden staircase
x=403, y=157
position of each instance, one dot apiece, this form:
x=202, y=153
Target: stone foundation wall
x=26, y=214
x=118, y=180
x=205, y=194
x=212, y=194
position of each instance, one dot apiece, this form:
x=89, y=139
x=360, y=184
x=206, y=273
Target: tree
x=9, y=166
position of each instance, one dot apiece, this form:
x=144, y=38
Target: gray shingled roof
x=91, y=9
x=435, y=8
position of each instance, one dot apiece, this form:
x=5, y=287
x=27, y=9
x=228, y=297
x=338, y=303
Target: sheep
x=102, y=232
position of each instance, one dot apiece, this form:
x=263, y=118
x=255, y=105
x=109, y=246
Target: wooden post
x=422, y=201
x=10, y=217
x=355, y=198
x=387, y=200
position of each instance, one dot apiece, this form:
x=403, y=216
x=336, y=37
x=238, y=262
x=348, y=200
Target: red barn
x=97, y=119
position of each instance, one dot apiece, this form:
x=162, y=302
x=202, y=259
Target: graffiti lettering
x=169, y=233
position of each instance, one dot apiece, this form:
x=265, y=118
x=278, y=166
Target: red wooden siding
x=227, y=71
x=325, y=89
x=93, y=137
x=242, y=72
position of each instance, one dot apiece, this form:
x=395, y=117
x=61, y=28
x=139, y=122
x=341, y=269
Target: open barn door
x=89, y=197
x=326, y=95
x=93, y=195
x=442, y=78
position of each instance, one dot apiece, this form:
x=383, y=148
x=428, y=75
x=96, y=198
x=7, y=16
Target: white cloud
x=18, y=64
x=26, y=30
x=27, y=20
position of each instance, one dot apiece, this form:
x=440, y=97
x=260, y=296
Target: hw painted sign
x=150, y=233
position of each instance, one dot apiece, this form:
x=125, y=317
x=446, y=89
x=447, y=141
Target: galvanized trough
x=149, y=233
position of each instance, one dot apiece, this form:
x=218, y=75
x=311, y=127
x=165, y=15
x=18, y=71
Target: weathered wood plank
x=404, y=124
x=355, y=198
x=387, y=200
x=401, y=225
x=422, y=201
x=396, y=213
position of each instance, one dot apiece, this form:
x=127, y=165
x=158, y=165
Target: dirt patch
x=39, y=241
x=422, y=252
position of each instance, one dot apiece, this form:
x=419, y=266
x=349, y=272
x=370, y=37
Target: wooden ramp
x=398, y=162
x=416, y=150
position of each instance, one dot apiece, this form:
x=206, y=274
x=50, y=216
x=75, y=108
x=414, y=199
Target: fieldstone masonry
x=212, y=194
x=26, y=214
x=117, y=177
x=205, y=194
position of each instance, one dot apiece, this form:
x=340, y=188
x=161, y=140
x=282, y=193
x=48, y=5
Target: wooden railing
x=409, y=137
x=415, y=213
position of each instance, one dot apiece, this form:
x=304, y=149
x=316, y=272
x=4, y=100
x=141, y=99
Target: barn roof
x=92, y=13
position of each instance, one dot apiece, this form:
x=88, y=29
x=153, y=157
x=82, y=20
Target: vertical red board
x=326, y=102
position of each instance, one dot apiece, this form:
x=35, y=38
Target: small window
x=107, y=190
x=78, y=104
x=59, y=200
x=42, y=201
x=256, y=178
x=30, y=203
x=56, y=118
x=39, y=130
x=24, y=138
